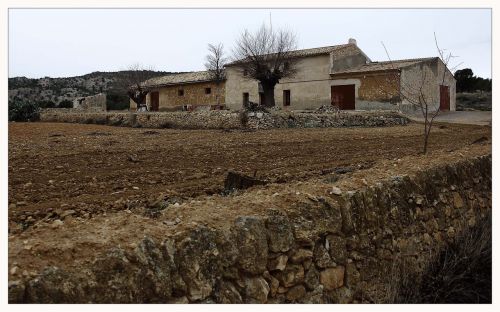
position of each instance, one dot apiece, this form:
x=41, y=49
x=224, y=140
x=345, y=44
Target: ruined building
x=340, y=75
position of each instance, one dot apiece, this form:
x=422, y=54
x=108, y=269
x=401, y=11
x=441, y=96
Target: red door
x=444, y=98
x=155, y=101
x=344, y=97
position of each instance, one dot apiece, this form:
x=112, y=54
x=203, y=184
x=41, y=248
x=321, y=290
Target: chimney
x=352, y=41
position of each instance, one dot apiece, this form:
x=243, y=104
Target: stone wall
x=322, y=252
x=226, y=119
x=91, y=103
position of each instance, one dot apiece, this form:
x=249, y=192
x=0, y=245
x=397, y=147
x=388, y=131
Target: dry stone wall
x=322, y=252
x=226, y=119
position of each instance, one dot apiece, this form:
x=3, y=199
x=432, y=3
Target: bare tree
x=132, y=80
x=267, y=57
x=215, y=62
x=418, y=95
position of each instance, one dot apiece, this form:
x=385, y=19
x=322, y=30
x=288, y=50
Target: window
x=208, y=90
x=180, y=92
x=246, y=99
x=286, y=98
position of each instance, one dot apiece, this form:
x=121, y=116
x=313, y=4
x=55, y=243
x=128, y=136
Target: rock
x=293, y=274
x=332, y=278
x=342, y=295
x=249, y=236
x=201, y=259
x=336, y=191
x=279, y=233
x=57, y=223
x=338, y=248
x=352, y=275
x=16, y=292
x=311, y=279
x=278, y=263
x=301, y=255
x=179, y=300
x=274, y=283
x=116, y=278
x=13, y=270
x=156, y=270
x=322, y=257
x=256, y=290
x=457, y=200
x=226, y=292
x=67, y=213
x=419, y=200
x=54, y=285
x=295, y=293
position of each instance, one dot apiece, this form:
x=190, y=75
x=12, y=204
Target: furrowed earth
x=75, y=190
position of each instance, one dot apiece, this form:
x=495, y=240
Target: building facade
x=342, y=76
x=186, y=91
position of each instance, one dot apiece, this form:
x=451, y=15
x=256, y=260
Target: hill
x=49, y=91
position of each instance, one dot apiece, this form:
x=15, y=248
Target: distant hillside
x=56, y=90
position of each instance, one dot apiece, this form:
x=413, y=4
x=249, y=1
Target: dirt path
x=91, y=169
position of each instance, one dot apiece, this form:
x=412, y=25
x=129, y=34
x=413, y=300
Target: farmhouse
x=340, y=75
x=186, y=91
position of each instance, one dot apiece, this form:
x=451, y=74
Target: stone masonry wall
x=226, y=119
x=325, y=251
x=91, y=103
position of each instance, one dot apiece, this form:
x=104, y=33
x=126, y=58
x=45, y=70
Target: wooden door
x=344, y=97
x=444, y=98
x=155, y=101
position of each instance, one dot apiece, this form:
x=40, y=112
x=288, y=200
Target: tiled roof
x=340, y=50
x=383, y=66
x=174, y=79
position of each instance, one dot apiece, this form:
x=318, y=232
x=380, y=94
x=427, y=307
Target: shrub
x=65, y=104
x=459, y=273
x=23, y=111
x=46, y=104
x=117, y=101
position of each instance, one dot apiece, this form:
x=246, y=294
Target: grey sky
x=69, y=42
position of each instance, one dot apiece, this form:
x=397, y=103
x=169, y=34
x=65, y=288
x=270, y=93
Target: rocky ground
x=77, y=190
x=60, y=170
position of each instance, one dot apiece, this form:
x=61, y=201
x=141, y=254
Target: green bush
x=23, y=111
x=117, y=101
x=46, y=104
x=65, y=104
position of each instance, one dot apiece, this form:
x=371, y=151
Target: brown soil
x=92, y=173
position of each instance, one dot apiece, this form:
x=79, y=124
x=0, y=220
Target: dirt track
x=93, y=169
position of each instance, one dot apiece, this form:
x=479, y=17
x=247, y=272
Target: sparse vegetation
x=23, y=111
x=458, y=273
x=65, y=104
x=480, y=101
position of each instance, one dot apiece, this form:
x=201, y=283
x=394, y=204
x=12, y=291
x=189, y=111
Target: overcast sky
x=70, y=42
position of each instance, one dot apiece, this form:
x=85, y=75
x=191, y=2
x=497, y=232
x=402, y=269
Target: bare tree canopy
x=131, y=80
x=266, y=56
x=416, y=93
x=215, y=62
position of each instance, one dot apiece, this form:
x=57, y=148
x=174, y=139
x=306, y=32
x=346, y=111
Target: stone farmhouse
x=340, y=75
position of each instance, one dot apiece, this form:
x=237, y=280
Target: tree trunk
x=268, y=89
x=426, y=135
x=217, y=94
